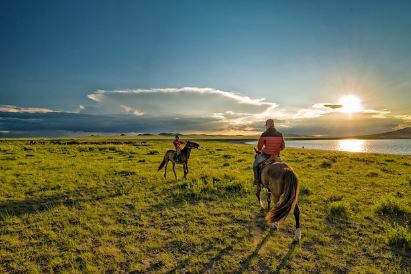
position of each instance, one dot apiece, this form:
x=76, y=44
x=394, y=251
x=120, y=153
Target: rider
x=177, y=144
x=271, y=142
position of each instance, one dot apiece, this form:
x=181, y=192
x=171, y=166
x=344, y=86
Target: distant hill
x=169, y=134
x=404, y=133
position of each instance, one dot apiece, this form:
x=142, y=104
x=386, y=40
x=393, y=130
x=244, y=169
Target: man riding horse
x=280, y=179
x=180, y=156
x=271, y=142
x=177, y=144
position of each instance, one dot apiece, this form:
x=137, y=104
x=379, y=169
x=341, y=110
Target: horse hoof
x=274, y=226
x=297, y=235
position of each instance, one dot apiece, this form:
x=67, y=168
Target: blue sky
x=297, y=54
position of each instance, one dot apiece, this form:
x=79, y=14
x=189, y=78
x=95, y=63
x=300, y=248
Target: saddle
x=271, y=160
x=179, y=159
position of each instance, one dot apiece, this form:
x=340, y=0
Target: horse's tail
x=290, y=196
x=162, y=163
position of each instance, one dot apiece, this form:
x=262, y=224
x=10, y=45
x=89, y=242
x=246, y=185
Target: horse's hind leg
x=185, y=170
x=268, y=198
x=165, y=169
x=297, y=235
x=276, y=198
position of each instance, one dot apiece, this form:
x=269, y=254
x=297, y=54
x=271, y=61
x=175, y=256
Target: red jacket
x=177, y=143
x=271, y=142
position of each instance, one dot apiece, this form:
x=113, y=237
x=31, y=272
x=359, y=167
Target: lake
x=389, y=146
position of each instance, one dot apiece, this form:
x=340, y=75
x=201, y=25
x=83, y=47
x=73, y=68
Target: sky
x=106, y=67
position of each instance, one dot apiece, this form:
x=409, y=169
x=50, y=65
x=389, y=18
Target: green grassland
x=103, y=207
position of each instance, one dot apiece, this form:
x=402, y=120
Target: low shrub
x=326, y=164
x=392, y=208
x=338, y=211
x=372, y=174
x=399, y=236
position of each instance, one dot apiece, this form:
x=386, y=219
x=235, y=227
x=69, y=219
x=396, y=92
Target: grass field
x=104, y=208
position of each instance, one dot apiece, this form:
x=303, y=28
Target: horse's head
x=192, y=145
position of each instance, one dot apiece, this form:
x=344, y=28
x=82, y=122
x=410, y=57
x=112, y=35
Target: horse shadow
x=245, y=264
x=266, y=232
x=286, y=259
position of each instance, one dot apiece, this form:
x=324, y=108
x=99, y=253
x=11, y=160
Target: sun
x=350, y=104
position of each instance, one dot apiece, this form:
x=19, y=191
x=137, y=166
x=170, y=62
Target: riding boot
x=257, y=177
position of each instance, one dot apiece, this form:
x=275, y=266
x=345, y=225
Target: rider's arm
x=261, y=143
x=282, y=146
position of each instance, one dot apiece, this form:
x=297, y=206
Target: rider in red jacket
x=177, y=144
x=271, y=142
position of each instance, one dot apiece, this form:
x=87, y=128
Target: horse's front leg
x=258, y=196
x=185, y=170
x=174, y=170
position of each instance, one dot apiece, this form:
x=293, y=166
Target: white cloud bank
x=208, y=110
x=235, y=111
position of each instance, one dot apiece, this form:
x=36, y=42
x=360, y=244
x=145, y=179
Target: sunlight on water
x=397, y=146
x=351, y=145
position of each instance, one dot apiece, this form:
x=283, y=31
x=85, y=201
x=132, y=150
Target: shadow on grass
x=260, y=226
x=245, y=264
x=183, y=192
x=217, y=258
x=285, y=260
x=207, y=268
x=44, y=203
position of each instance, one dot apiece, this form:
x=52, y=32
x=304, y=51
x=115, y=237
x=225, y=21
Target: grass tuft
x=326, y=164
x=125, y=173
x=372, y=174
x=399, y=236
x=335, y=198
x=392, y=208
x=305, y=190
x=338, y=211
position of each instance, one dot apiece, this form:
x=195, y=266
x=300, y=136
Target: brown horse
x=184, y=156
x=283, y=187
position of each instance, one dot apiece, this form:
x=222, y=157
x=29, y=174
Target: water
x=389, y=146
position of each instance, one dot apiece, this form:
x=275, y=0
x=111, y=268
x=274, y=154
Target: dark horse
x=281, y=182
x=184, y=156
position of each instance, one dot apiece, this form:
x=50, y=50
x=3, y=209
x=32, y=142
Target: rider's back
x=271, y=142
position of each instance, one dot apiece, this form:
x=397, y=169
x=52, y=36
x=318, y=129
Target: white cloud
x=405, y=121
x=175, y=102
x=99, y=94
x=131, y=110
x=98, y=97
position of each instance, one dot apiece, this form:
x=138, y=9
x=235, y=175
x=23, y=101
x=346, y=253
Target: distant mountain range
x=404, y=133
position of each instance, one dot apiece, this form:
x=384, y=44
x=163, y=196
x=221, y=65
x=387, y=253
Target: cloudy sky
x=107, y=67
